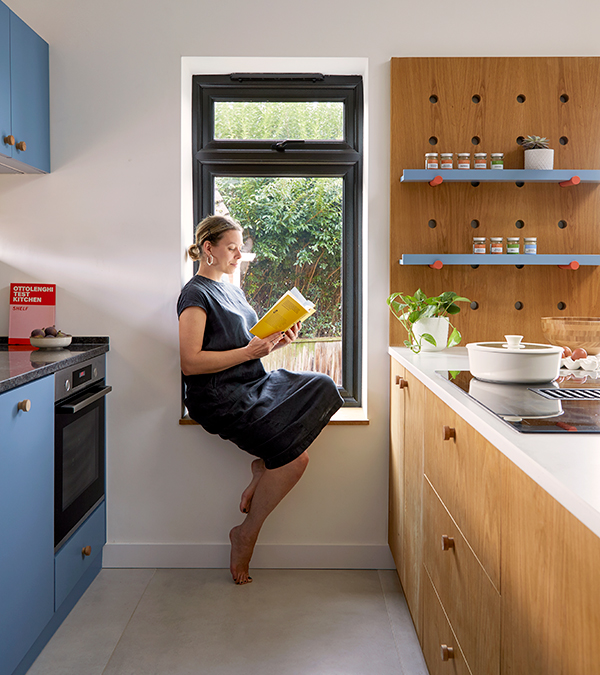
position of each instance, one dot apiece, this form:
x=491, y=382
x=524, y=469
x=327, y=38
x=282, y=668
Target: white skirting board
x=269, y=556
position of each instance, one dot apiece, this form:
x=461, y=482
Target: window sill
x=342, y=416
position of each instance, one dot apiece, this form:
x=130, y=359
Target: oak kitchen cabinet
x=24, y=97
x=507, y=580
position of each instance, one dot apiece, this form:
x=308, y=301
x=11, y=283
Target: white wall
x=105, y=226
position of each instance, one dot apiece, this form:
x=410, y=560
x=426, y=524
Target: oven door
x=79, y=460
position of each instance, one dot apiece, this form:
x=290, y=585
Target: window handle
x=280, y=146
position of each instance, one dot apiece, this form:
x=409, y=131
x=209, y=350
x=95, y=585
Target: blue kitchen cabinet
x=24, y=96
x=26, y=518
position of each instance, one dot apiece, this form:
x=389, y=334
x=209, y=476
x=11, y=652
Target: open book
x=291, y=307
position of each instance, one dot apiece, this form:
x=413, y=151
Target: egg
x=566, y=352
x=579, y=353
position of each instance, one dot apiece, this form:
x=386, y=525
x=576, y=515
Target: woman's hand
x=259, y=347
x=289, y=336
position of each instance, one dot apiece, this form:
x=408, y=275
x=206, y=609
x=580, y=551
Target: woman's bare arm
x=197, y=361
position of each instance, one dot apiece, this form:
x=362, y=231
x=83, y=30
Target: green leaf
x=455, y=338
x=429, y=338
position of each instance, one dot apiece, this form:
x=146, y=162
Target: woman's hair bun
x=194, y=252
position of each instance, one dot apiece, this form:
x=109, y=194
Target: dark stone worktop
x=20, y=364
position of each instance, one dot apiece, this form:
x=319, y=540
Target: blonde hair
x=211, y=229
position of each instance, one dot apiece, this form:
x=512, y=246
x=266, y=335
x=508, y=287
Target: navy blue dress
x=274, y=415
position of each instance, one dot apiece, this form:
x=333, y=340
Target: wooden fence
x=321, y=355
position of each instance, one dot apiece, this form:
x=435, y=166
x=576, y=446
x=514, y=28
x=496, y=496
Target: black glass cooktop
x=569, y=404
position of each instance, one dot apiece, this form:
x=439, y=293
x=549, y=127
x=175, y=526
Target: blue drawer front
x=70, y=563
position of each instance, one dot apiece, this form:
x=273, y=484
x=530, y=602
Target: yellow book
x=291, y=307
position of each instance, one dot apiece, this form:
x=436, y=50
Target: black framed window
x=282, y=153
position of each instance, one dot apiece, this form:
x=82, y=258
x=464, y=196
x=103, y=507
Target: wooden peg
x=449, y=433
x=437, y=265
x=438, y=180
x=446, y=652
x=447, y=542
x=572, y=181
x=573, y=265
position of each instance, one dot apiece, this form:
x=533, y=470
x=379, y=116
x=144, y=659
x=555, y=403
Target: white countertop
x=566, y=465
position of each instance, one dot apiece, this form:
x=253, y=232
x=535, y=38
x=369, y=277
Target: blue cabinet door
x=5, y=124
x=26, y=519
x=30, y=94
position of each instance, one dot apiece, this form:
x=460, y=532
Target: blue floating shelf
x=499, y=175
x=498, y=259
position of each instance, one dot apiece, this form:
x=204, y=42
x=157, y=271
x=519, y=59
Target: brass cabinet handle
x=449, y=433
x=24, y=405
x=447, y=542
x=9, y=140
x=446, y=652
x=401, y=382
x=22, y=146
x=86, y=550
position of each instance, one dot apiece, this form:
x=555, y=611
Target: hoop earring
x=210, y=260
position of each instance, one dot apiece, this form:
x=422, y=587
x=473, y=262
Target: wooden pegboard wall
x=496, y=100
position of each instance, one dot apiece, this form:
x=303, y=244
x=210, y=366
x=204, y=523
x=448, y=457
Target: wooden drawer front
x=441, y=649
x=70, y=562
x=470, y=601
x=466, y=472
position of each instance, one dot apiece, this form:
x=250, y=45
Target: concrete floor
x=197, y=622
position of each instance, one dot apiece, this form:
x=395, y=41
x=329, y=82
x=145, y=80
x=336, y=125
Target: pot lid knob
x=513, y=341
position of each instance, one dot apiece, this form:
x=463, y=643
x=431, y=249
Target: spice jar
x=496, y=245
x=431, y=160
x=530, y=245
x=480, y=160
x=497, y=160
x=512, y=244
x=446, y=160
x=464, y=160
x=479, y=245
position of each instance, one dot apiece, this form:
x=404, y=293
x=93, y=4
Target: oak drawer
x=465, y=471
x=468, y=597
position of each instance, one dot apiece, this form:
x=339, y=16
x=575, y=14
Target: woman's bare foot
x=241, y=552
x=258, y=468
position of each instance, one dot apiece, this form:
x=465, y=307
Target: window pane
x=292, y=237
x=279, y=120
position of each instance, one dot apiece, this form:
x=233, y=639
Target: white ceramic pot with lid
x=514, y=361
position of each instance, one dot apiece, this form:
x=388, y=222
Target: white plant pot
x=539, y=158
x=437, y=327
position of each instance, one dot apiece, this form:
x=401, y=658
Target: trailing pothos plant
x=409, y=309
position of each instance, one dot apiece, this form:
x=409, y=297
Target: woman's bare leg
x=258, y=468
x=273, y=485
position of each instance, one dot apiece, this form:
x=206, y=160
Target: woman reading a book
x=274, y=416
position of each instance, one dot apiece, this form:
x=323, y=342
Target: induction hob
x=569, y=404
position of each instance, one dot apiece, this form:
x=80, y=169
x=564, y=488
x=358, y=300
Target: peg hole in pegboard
x=474, y=305
x=432, y=224
x=561, y=306
x=474, y=267
x=519, y=224
x=562, y=224
x=564, y=98
x=563, y=140
x=476, y=140
x=519, y=267
x=518, y=305
x=433, y=98
x=519, y=184
x=475, y=223
x=520, y=140
x=433, y=140
x=521, y=98
x=474, y=183
x=476, y=98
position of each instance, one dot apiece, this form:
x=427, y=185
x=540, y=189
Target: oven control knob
x=95, y=372
x=67, y=385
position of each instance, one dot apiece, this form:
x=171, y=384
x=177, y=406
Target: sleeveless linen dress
x=274, y=415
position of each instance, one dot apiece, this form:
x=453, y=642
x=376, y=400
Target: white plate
x=50, y=342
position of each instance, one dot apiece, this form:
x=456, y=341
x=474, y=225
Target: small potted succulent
x=537, y=153
x=426, y=319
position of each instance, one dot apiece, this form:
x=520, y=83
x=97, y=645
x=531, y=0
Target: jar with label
x=512, y=244
x=479, y=245
x=464, y=160
x=497, y=160
x=431, y=160
x=480, y=160
x=530, y=245
x=496, y=245
x=446, y=160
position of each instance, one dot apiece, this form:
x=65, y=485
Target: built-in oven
x=79, y=444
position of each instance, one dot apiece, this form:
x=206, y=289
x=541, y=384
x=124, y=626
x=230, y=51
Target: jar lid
x=530, y=238
x=446, y=154
x=431, y=154
x=478, y=238
x=496, y=238
x=497, y=154
x=463, y=154
x=512, y=238
x=480, y=154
